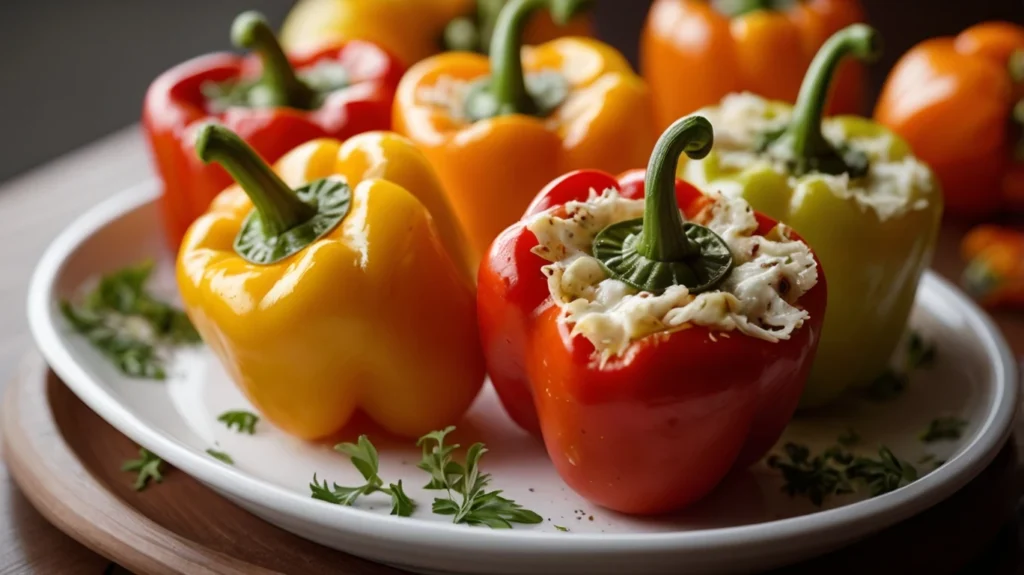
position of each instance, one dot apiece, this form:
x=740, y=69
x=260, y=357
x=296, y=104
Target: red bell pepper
x=272, y=103
x=660, y=426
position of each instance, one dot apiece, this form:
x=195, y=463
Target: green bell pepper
x=870, y=210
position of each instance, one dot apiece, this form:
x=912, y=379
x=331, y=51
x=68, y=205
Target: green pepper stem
x=251, y=31
x=279, y=208
x=804, y=132
x=508, y=84
x=736, y=8
x=663, y=238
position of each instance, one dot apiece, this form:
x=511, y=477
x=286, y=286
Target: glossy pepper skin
x=492, y=167
x=176, y=106
x=873, y=263
x=994, y=274
x=953, y=100
x=314, y=337
x=411, y=30
x=694, y=52
x=657, y=428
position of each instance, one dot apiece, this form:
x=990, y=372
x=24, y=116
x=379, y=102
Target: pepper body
x=693, y=53
x=176, y=106
x=660, y=426
x=492, y=168
x=410, y=30
x=873, y=264
x=376, y=316
x=994, y=272
x=952, y=99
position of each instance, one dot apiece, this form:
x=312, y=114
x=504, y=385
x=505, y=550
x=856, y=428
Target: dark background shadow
x=75, y=70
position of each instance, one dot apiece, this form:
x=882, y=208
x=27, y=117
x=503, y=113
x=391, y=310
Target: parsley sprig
x=474, y=504
x=364, y=457
x=468, y=499
x=241, y=420
x=126, y=323
x=147, y=466
x=837, y=471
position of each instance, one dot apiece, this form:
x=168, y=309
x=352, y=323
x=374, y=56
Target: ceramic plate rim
x=860, y=517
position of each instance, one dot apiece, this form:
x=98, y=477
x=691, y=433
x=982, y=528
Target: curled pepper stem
x=508, y=84
x=663, y=237
x=735, y=8
x=251, y=31
x=803, y=136
x=279, y=208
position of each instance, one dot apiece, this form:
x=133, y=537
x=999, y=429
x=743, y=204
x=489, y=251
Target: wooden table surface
x=37, y=205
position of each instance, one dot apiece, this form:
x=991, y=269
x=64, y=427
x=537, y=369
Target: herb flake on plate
x=946, y=428
x=240, y=420
x=363, y=456
x=220, y=455
x=129, y=325
x=147, y=466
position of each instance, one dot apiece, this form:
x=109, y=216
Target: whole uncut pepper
x=849, y=186
x=760, y=46
x=959, y=103
x=309, y=284
x=413, y=30
x=272, y=103
x=659, y=425
x=498, y=130
x=994, y=274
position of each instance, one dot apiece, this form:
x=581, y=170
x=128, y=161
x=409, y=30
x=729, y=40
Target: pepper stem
x=279, y=208
x=508, y=84
x=802, y=141
x=663, y=238
x=251, y=31
x=736, y=8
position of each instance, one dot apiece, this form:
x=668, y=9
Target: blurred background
x=75, y=70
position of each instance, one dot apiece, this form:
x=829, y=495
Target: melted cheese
x=889, y=188
x=758, y=297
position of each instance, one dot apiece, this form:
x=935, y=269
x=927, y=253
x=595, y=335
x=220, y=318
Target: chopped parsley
x=147, y=466
x=128, y=325
x=242, y=421
x=221, y=456
x=947, y=428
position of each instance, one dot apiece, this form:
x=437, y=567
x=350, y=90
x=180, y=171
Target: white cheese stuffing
x=888, y=188
x=447, y=93
x=758, y=297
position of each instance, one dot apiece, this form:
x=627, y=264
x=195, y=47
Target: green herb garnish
x=882, y=475
x=813, y=477
x=948, y=428
x=242, y=421
x=848, y=438
x=560, y=528
x=475, y=505
x=128, y=325
x=221, y=456
x=364, y=457
x=147, y=466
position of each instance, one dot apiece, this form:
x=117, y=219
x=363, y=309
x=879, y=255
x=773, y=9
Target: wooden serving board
x=67, y=461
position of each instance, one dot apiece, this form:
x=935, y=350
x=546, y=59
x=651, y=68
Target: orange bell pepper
x=497, y=137
x=953, y=100
x=694, y=52
x=412, y=29
x=995, y=266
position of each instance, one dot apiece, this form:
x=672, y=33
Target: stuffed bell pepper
x=272, y=103
x=694, y=52
x=654, y=336
x=498, y=130
x=309, y=283
x=959, y=102
x=413, y=30
x=853, y=189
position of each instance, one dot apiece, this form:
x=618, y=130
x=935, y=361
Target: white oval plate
x=747, y=523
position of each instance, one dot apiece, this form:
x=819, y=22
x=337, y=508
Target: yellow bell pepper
x=853, y=190
x=499, y=129
x=412, y=29
x=346, y=294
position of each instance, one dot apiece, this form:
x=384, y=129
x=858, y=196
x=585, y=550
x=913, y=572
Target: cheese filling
x=758, y=298
x=890, y=187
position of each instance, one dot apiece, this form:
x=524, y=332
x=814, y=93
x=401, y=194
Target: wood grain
x=68, y=461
